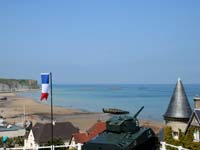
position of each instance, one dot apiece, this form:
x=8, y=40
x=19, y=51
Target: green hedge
x=185, y=141
x=13, y=141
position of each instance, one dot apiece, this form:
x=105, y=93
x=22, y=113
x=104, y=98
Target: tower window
x=175, y=135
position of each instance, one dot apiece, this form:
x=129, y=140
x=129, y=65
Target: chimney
x=196, y=102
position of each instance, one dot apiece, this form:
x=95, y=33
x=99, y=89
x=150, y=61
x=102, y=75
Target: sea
x=131, y=97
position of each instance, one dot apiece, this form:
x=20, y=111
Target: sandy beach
x=14, y=108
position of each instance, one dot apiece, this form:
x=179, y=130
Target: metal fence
x=163, y=146
x=78, y=146
x=52, y=147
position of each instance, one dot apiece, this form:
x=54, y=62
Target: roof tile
x=96, y=129
x=63, y=130
x=179, y=107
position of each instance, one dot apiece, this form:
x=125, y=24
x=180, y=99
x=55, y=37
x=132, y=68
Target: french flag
x=45, y=86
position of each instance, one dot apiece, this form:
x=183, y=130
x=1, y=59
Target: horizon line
x=122, y=83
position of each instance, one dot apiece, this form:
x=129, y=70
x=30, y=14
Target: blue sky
x=101, y=41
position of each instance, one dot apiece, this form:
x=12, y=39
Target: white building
x=195, y=120
x=40, y=134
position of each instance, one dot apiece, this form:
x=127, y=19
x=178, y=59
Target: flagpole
x=51, y=111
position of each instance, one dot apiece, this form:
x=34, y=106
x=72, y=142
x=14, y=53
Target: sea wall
x=13, y=85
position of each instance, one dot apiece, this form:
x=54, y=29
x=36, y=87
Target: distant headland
x=15, y=85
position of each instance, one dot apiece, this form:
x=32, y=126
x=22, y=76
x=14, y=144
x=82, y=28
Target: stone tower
x=178, y=111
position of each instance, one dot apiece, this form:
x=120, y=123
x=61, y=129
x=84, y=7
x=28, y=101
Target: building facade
x=194, y=122
x=40, y=134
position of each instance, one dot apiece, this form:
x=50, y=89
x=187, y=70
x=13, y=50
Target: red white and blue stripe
x=45, y=86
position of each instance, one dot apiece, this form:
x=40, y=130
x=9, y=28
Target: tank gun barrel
x=135, y=116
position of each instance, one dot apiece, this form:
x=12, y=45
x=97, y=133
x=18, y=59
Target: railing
x=163, y=146
x=78, y=146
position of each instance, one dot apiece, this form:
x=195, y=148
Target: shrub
x=185, y=141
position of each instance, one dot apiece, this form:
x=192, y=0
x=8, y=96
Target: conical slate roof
x=179, y=107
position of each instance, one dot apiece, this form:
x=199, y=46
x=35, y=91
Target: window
x=175, y=135
x=196, y=135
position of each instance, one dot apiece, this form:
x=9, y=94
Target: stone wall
x=175, y=125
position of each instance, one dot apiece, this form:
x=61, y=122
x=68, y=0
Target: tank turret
x=124, y=133
x=123, y=123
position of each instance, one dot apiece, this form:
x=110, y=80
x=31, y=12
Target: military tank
x=124, y=133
